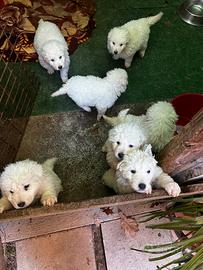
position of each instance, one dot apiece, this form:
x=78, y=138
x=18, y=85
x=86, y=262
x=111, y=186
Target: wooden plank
x=110, y=201
x=2, y=259
x=26, y=228
x=185, y=150
x=118, y=246
x=72, y=250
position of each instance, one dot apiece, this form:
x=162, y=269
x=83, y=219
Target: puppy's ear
x=109, y=35
x=148, y=149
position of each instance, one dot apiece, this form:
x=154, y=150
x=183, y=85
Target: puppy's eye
x=130, y=145
x=26, y=187
x=52, y=60
x=118, y=143
x=11, y=191
x=148, y=171
x=113, y=43
x=60, y=57
x=121, y=44
x=133, y=171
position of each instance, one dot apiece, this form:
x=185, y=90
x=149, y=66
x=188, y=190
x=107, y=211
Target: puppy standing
x=124, y=41
x=23, y=182
x=52, y=49
x=92, y=91
x=138, y=171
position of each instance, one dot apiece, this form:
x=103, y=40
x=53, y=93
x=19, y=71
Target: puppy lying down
x=23, y=182
x=138, y=171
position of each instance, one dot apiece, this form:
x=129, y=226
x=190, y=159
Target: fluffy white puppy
x=122, y=139
x=139, y=172
x=156, y=127
x=52, y=49
x=124, y=41
x=23, y=182
x=91, y=91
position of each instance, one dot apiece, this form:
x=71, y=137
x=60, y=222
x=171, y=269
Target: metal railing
x=18, y=89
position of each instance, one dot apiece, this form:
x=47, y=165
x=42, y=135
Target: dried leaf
x=128, y=225
x=107, y=210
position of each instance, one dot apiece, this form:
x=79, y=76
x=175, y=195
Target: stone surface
x=72, y=250
x=117, y=245
x=76, y=139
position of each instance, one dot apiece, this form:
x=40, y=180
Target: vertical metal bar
x=18, y=89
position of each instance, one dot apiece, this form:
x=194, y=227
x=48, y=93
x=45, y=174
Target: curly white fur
x=52, y=49
x=92, y=91
x=139, y=172
x=23, y=182
x=124, y=41
x=129, y=131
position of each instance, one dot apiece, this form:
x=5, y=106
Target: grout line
x=99, y=250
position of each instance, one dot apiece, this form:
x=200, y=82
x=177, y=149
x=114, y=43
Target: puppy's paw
x=50, y=71
x=173, y=189
x=64, y=79
x=2, y=208
x=127, y=65
x=99, y=117
x=49, y=200
x=142, y=54
x=149, y=190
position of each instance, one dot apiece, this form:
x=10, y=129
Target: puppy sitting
x=52, y=49
x=139, y=172
x=91, y=91
x=23, y=182
x=124, y=41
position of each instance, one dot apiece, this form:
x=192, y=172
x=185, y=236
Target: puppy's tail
x=61, y=91
x=49, y=163
x=113, y=121
x=154, y=19
x=160, y=124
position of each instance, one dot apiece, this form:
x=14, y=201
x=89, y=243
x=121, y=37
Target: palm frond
x=190, y=219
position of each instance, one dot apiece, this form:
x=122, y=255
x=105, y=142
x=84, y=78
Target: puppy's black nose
x=115, y=52
x=21, y=204
x=120, y=155
x=59, y=67
x=142, y=186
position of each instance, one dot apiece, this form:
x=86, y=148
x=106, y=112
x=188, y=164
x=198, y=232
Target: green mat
x=173, y=62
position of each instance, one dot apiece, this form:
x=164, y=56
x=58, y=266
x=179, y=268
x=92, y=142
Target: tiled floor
x=99, y=246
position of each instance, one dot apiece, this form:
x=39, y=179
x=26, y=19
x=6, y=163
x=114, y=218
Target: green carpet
x=173, y=63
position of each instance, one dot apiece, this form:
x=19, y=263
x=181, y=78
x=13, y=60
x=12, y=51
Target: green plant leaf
x=196, y=261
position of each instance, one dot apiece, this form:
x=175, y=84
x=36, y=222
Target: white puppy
x=91, y=91
x=139, y=172
x=23, y=182
x=156, y=127
x=122, y=139
x=124, y=41
x=52, y=49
